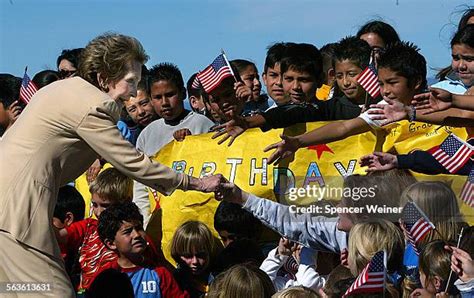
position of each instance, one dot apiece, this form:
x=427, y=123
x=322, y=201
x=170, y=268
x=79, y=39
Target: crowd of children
x=108, y=253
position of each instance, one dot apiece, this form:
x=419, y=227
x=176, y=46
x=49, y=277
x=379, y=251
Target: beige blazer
x=64, y=128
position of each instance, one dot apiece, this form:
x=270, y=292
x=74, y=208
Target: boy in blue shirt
x=121, y=230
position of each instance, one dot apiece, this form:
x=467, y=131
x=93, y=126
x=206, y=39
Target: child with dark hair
x=45, y=77
x=232, y=223
x=466, y=19
x=121, y=230
x=249, y=74
x=226, y=101
x=447, y=73
x=302, y=74
x=68, y=62
x=196, y=99
x=70, y=208
x=272, y=72
x=435, y=267
x=167, y=92
x=351, y=57
x=138, y=111
x=460, y=78
x=9, y=106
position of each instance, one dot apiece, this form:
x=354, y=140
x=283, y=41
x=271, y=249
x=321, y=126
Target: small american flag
x=28, y=88
x=213, y=75
x=369, y=81
x=417, y=224
x=196, y=83
x=467, y=192
x=291, y=267
x=453, y=153
x=372, y=278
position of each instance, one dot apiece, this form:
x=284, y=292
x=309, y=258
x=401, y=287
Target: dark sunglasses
x=66, y=73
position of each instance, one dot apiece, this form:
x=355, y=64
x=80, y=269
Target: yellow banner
x=245, y=164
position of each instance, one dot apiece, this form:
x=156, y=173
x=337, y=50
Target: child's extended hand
x=232, y=129
x=391, y=112
x=286, y=147
x=378, y=161
x=433, y=101
x=242, y=92
x=181, y=134
x=461, y=263
x=286, y=247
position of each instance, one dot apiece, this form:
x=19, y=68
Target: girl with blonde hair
x=368, y=238
x=242, y=280
x=193, y=248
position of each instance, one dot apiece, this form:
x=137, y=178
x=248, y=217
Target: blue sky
x=191, y=33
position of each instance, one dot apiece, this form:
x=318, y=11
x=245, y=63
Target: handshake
x=222, y=188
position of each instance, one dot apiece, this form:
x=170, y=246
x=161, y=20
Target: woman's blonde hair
x=112, y=185
x=110, y=55
x=368, y=238
x=190, y=238
x=242, y=280
x=438, y=201
x=380, y=190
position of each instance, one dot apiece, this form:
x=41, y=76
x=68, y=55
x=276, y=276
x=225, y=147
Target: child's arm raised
x=328, y=133
x=440, y=100
x=418, y=161
x=279, y=117
x=395, y=111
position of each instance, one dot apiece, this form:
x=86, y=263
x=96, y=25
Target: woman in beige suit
x=64, y=128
